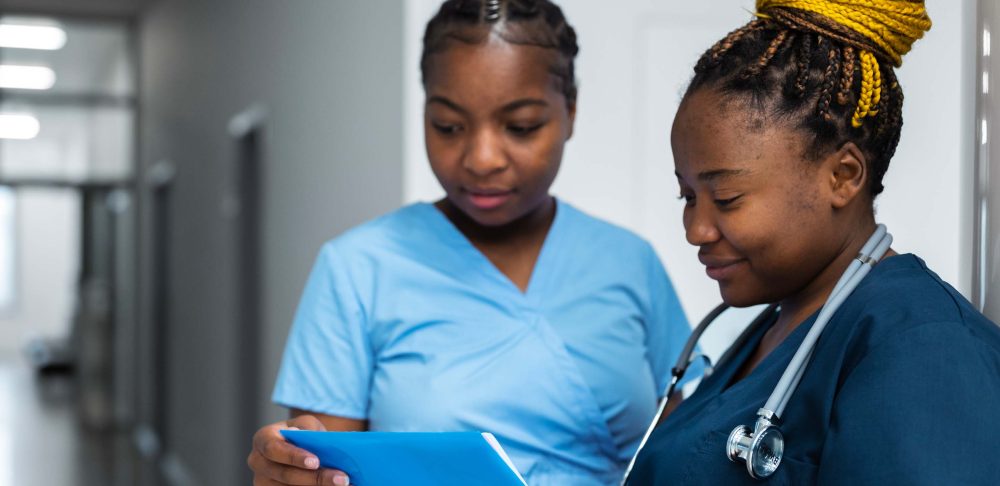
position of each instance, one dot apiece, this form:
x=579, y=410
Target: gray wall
x=328, y=74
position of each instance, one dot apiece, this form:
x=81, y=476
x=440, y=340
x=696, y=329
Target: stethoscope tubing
x=677, y=373
x=872, y=252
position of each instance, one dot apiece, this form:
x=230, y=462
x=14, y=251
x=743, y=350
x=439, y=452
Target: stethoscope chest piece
x=761, y=448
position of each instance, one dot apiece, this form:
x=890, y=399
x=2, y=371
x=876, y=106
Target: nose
x=700, y=225
x=486, y=155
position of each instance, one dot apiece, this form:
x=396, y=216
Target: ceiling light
x=44, y=37
x=26, y=77
x=18, y=127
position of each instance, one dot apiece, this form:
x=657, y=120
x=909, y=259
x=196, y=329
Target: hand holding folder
x=411, y=458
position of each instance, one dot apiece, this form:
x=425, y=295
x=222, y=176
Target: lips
x=720, y=268
x=488, y=198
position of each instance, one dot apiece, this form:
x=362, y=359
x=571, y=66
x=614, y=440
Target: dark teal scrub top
x=903, y=388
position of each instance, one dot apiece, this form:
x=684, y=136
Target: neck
x=535, y=222
x=798, y=307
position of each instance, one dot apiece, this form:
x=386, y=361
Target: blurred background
x=169, y=169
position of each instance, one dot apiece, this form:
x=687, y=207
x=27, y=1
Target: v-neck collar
x=451, y=233
x=781, y=353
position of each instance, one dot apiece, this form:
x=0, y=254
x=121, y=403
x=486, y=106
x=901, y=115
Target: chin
x=493, y=218
x=734, y=296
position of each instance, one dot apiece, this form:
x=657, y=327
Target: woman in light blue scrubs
x=498, y=308
x=780, y=147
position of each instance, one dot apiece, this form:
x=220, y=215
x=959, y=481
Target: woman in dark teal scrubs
x=780, y=147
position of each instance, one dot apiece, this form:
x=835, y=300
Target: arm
x=330, y=422
x=919, y=409
x=667, y=331
x=325, y=367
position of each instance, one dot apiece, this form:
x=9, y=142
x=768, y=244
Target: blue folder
x=410, y=458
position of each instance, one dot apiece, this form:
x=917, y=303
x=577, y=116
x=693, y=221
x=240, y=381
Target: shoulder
x=600, y=234
x=384, y=234
x=903, y=301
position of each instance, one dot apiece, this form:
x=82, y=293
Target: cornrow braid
x=492, y=11
x=539, y=23
x=805, y=52
x=830, y=81
x=765, y=58
x=847, y=77
x=796, y=66
x=715, y=54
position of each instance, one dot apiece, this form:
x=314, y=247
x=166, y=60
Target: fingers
x=276, y=462
x=269, y=443
x=327, y=479
x=268, y=473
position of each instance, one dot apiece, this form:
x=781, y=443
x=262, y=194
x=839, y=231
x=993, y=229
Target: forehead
x=490, y=71
x=712, y=132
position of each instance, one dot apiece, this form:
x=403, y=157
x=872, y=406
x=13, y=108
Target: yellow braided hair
x=892, y=25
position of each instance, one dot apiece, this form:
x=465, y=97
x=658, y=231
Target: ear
x=848, y=174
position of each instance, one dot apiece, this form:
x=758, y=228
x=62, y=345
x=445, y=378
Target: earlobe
x=849, y=174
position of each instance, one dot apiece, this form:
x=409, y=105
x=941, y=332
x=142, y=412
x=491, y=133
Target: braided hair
x=815, y=65
x=539, y=23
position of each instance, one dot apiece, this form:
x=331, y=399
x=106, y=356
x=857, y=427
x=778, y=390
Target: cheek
x=785, y=243
x=539, y=161
x=445, y=156
x=765, y=233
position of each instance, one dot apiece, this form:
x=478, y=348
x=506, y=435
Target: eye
x=446, y=128
x=523, y=130
x=687, y=198
x=722, y=203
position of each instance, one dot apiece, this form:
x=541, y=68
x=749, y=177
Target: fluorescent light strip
x=18, y=127
x=42, y=37
x=26, y=77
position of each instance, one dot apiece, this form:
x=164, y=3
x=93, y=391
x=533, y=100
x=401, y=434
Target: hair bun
x=890, y=25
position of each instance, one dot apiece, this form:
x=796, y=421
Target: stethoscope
x=762, y=447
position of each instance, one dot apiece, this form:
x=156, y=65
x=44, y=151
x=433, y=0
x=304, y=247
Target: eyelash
x=722, y=203
x=516, y=130
x=446, y=129
x=521, y=131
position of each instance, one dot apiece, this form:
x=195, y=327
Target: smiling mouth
x=721, y=270
x=487, y=199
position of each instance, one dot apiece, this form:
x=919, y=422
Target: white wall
x=47, y=266
x=636, y=58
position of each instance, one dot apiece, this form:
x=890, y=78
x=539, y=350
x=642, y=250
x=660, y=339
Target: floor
x=41, y=440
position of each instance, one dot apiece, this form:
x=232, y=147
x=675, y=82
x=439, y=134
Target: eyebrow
x=719, y=174
x=512, y=106
x=521, y=103
x=446, y=102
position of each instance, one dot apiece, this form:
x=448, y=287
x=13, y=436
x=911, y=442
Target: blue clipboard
x=411, y=458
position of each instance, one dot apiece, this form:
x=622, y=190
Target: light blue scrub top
x=407, y=325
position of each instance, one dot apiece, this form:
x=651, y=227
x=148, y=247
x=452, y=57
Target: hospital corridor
x=190, y=190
